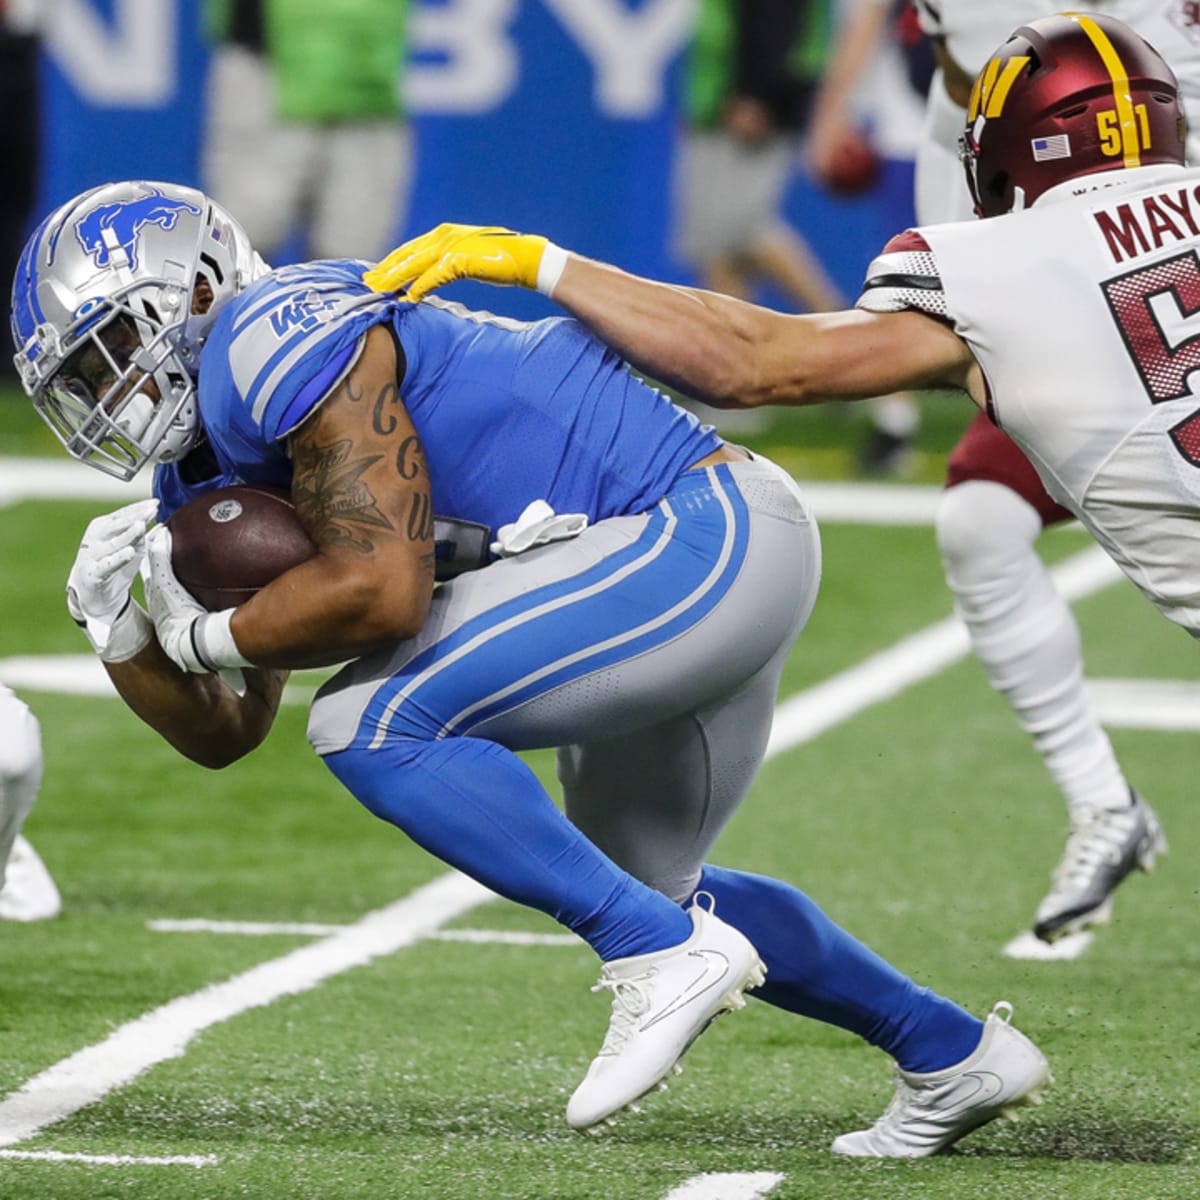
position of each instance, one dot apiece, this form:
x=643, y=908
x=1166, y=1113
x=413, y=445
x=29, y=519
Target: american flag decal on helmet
x=1046, y=148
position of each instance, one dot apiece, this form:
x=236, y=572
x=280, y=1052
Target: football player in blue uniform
x=636, y=587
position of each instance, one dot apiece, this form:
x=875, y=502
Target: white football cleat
x=661, y=1003
x=28, y=893
x=932, y=1111
x=1103, y=848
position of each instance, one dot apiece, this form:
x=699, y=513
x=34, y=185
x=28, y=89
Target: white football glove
x=105, y=567
x=193, y=639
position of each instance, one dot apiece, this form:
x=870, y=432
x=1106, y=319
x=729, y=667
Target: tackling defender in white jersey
x=1067, y=320
x=995, y=507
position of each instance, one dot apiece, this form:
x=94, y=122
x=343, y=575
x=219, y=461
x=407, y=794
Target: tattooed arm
x=361, y=488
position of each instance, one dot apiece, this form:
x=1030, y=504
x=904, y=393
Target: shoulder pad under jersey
x=295, y=337
x=904, y=276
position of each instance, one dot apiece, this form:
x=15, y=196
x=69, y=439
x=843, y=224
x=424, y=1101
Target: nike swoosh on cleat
x=711, y=959
x=987, y=1087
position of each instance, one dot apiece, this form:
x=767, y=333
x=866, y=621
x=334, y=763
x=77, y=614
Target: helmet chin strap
x=1018, y=204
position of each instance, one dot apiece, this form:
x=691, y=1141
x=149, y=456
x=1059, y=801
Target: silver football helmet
x=113, y=298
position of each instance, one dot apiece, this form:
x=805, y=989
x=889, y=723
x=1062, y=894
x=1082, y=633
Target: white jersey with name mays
x=1084, y=315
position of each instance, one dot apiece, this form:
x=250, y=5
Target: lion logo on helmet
x=115, y=227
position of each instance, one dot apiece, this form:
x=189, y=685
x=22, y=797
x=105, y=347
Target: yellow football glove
x=484, y=252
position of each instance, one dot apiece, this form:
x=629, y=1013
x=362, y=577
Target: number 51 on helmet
x=1067, y=96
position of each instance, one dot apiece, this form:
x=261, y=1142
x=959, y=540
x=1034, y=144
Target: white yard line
x=84, y=675
x=245, y=928
x=64, y=479
x=112, y=1160
x=742, y=1185
x=506, y=937
x=490, y=937
x=1167, y=704
x=93, y=1072
x=1027, y=946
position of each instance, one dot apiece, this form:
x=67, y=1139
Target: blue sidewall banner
x=557, y=116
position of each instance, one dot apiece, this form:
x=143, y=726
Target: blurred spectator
x=306, y=135
x=752, y=73
x=18, y=144
x=840, y=152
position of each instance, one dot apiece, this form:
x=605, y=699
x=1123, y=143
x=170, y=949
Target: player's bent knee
x=980, y=522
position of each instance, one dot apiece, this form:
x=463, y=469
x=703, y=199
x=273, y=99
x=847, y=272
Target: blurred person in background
x=865, y=105
x=27, y=892
x=752, y=70
x=19, y=22
x=306, y=135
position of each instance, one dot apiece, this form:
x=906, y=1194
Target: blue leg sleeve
x=478, y=807
x=818, y=970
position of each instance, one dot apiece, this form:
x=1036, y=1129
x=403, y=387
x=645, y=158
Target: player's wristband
x=550, y=268
x=129, y=634
x=213, y=642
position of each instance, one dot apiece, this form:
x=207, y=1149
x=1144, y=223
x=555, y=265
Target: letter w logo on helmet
x=110, y=233
x=992, y=86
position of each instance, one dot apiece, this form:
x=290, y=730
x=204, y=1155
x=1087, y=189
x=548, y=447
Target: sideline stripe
x=165, y=1032
x=112, y=1160
x=743, y=1185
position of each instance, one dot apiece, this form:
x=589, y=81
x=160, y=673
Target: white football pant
x=1025, y=635
x=20, y=769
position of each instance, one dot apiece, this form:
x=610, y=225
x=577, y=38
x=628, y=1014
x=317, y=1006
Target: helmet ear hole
x=998, y=185
x=202, y=295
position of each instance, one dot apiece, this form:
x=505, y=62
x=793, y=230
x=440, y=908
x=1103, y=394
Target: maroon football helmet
x=1066, y=96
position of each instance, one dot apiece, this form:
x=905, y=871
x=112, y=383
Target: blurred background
x=763, y=147
x=638, y=131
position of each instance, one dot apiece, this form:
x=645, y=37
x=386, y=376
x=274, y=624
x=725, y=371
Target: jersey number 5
x=1157, y=310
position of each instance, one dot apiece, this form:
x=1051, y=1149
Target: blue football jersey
x=507, y=411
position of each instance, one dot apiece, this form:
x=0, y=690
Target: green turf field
x=441, y=1069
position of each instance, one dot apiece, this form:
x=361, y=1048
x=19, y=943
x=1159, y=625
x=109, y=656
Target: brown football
x=228, y=543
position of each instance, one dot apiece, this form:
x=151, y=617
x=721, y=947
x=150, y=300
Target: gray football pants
x=648, y=650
